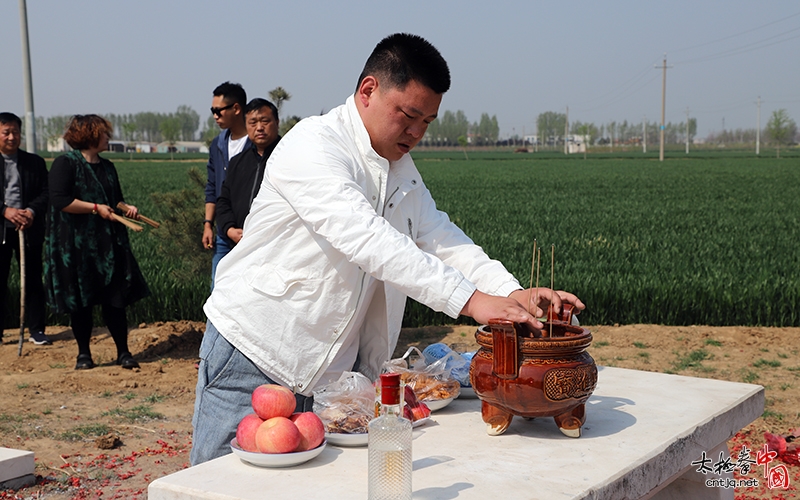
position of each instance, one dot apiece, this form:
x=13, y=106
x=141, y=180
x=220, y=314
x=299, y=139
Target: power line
x=744, y=48
x=738, y=34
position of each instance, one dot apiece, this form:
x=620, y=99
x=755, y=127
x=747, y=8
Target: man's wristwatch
x=94, y=209
x=208, y=221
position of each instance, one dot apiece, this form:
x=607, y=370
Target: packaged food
x=429, y=382
x=347, y=405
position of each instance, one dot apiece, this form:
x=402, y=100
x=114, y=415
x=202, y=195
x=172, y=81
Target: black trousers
x=34, y=289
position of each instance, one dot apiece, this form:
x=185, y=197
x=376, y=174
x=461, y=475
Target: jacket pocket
x=276, y=281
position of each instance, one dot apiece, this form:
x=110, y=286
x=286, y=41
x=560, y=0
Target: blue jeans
x=225, y=381
x=221, y=249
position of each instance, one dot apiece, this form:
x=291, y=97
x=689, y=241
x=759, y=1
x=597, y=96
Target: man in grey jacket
x=343, y=230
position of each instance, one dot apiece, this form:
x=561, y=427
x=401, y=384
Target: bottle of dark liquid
x=390, y=446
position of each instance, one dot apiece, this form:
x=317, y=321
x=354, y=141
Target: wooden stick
x=131, y=225
x=124, y=207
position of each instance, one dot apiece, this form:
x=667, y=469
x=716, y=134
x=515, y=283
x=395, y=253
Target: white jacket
x=329, y=212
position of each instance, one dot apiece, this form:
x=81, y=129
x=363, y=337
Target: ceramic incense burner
x=534, y=373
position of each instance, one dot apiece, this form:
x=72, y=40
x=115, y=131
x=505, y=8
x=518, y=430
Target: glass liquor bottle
x=390, y=446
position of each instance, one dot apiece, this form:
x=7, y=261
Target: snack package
x=429, y=382
x=347, y=405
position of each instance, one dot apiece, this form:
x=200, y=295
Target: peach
x=246, y=432
x=277, y=435
x=312, y=430
x=271, y=400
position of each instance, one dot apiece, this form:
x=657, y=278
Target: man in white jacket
x=341, y=232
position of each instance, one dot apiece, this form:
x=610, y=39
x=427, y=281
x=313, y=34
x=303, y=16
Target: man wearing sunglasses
x=228, y=108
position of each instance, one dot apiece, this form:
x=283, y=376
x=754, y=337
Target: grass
x=137, y=413
x=640, y=345
x=23, y=385
x=693, y=360
x=748, y=376
x=712, y=342
x=601, y=343
x=84, y=431
x=57, y=365
x=154, y=398
x=770, y=363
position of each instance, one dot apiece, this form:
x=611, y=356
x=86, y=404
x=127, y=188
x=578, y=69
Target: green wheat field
x=708, y=238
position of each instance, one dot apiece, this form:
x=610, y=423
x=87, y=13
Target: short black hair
x=6, y=118
x=232, y=93
x=260, y=102
x=402, y=57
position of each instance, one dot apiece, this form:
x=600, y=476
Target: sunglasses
x=218, y=111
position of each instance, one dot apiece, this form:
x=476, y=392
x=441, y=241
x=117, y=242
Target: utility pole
x=687, y=130
x=30, y=121
x=644, y=134
x=663, y=106
x=758, y=125
x=566, y=132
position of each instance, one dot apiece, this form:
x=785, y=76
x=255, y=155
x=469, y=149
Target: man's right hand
x=235, y=234
x=208, y=236
x=482, y=307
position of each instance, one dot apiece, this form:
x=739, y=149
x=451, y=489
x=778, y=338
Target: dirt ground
x=108, y=432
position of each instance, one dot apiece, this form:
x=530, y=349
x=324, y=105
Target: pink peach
x=312, y=430
x=246, y=432
x=277, y=435
x=271, y=400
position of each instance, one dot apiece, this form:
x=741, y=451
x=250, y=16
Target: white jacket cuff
x=459, y=298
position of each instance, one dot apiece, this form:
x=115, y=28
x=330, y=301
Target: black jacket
x=33, y=175
x=242, y=182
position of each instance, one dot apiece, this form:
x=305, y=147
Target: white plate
x=438, y=404
x=353, y=440
x=467, y=393
x=422, y=421
x=275, y=459
x=340, y=439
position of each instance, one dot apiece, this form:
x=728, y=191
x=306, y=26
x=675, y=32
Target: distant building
x=576, y=144
x=182, y=147
x=57, y=145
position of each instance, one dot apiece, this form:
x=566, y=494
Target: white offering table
x=642, y=432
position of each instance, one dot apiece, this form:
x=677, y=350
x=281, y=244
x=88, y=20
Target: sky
x=511, y=59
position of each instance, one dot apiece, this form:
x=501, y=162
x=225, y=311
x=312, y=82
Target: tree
x=551, y=125
x=170, y=130
x=129, y=130
x=279, y=95
x=189, y=121
x=287, y=124
x=462, y=141
x=781, y=129
x=210, y=130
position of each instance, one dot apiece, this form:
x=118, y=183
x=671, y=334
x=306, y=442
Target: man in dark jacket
x=24, y=209
x=246, y=170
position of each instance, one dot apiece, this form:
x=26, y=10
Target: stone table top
x=642, y=431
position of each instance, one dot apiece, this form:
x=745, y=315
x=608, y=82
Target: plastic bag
x=429, y=382
x=457, y=363
x=347, y=405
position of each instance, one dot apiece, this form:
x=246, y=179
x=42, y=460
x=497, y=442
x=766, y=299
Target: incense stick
x=530, y=288
x=552, y=283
